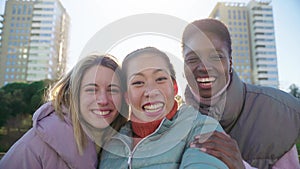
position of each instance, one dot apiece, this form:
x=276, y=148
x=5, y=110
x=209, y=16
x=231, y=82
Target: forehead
x=100, y=74
x=145, y=61
x=202, y=42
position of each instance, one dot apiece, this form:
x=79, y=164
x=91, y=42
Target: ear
x=175, y=86
x=230, y=65
x=126, y=97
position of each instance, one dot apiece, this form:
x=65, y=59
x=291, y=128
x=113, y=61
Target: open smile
x=153, y=109
x=101, y=112
x=205, y=82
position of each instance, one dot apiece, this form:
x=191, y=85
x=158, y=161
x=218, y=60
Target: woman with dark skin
x=255, y=118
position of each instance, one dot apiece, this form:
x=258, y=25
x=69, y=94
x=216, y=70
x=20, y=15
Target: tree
x=11, y=99
x=294, y=90
x=5, y=110
x=18, y=102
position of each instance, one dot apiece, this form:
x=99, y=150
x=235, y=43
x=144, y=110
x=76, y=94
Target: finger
x=222, y=135
x=216, y=147
x=223, y=140
x=232, y=159
x=217, y=144
x=230, y=162
x=205, y=135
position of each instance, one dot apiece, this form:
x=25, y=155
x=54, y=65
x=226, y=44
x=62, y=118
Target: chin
x=101, y=126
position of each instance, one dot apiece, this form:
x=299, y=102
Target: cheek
x=168, y=91
x=134, y=95
x=86, y=99
x=133, y=99
x=117, y=101
x=188, y=71
x=223, y=69
x=82, y=101
x=190, y=77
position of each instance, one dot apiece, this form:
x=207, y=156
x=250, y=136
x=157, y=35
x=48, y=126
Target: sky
x=91, y=16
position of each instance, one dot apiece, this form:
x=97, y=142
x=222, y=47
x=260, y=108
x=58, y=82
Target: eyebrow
x=159, y=70
x=154, y=72
x=190, y=52
x=196, y=52
x=90, y=84
x=95, y=85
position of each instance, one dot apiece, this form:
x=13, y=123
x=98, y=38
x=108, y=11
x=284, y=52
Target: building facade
x=253, y=40
x=34, y=41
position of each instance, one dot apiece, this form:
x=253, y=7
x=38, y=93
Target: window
x=14, y=9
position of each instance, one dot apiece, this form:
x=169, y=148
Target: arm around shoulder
x=193, y=158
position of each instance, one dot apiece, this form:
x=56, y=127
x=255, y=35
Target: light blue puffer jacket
x=168, y=147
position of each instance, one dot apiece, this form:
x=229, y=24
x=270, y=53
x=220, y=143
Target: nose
x=101, y=98
x=151, y=91
x=203, y=66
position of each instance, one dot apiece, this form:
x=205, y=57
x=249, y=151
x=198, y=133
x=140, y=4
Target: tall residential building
x=34, y=41
x=263, y=45
x=253, y=40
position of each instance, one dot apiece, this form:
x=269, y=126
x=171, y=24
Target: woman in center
x=159, y=133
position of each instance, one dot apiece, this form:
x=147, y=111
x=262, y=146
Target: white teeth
x=102, y=113
x=153, y=107
x=206, y=80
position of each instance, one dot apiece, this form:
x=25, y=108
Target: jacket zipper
x=134, y=149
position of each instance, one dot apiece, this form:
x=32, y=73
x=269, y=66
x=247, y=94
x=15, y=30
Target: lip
x=205, y=82
x=153, y=109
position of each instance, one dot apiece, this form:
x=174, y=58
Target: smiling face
x=207, y=64
x=100, y=96
x=150, y=91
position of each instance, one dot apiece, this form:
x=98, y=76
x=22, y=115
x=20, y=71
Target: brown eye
x=137, y=83
x=192, y=59
x=216, y=56
x=90, y=90
x=114, y=90
x=161, y=79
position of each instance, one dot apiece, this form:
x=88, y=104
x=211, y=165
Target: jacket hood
x=58, y=134
x=45, y=110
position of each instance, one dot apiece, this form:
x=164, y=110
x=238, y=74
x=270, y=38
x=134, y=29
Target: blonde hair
x=66, y=92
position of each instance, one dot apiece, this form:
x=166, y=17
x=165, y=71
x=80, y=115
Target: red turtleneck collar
x=142, y=130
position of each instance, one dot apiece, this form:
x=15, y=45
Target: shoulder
x=197, y=122
x=30, y=141
x=272, y=96
x=29, y=150
x=194, y=158
x=199, y=119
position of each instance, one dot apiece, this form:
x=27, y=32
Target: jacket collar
x=235, y=98
x=228, y=108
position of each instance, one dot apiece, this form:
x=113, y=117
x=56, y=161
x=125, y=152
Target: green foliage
x=5, y=111
x=34, y=95
x=21, y=98
x=18, y=101
x=295, y=91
